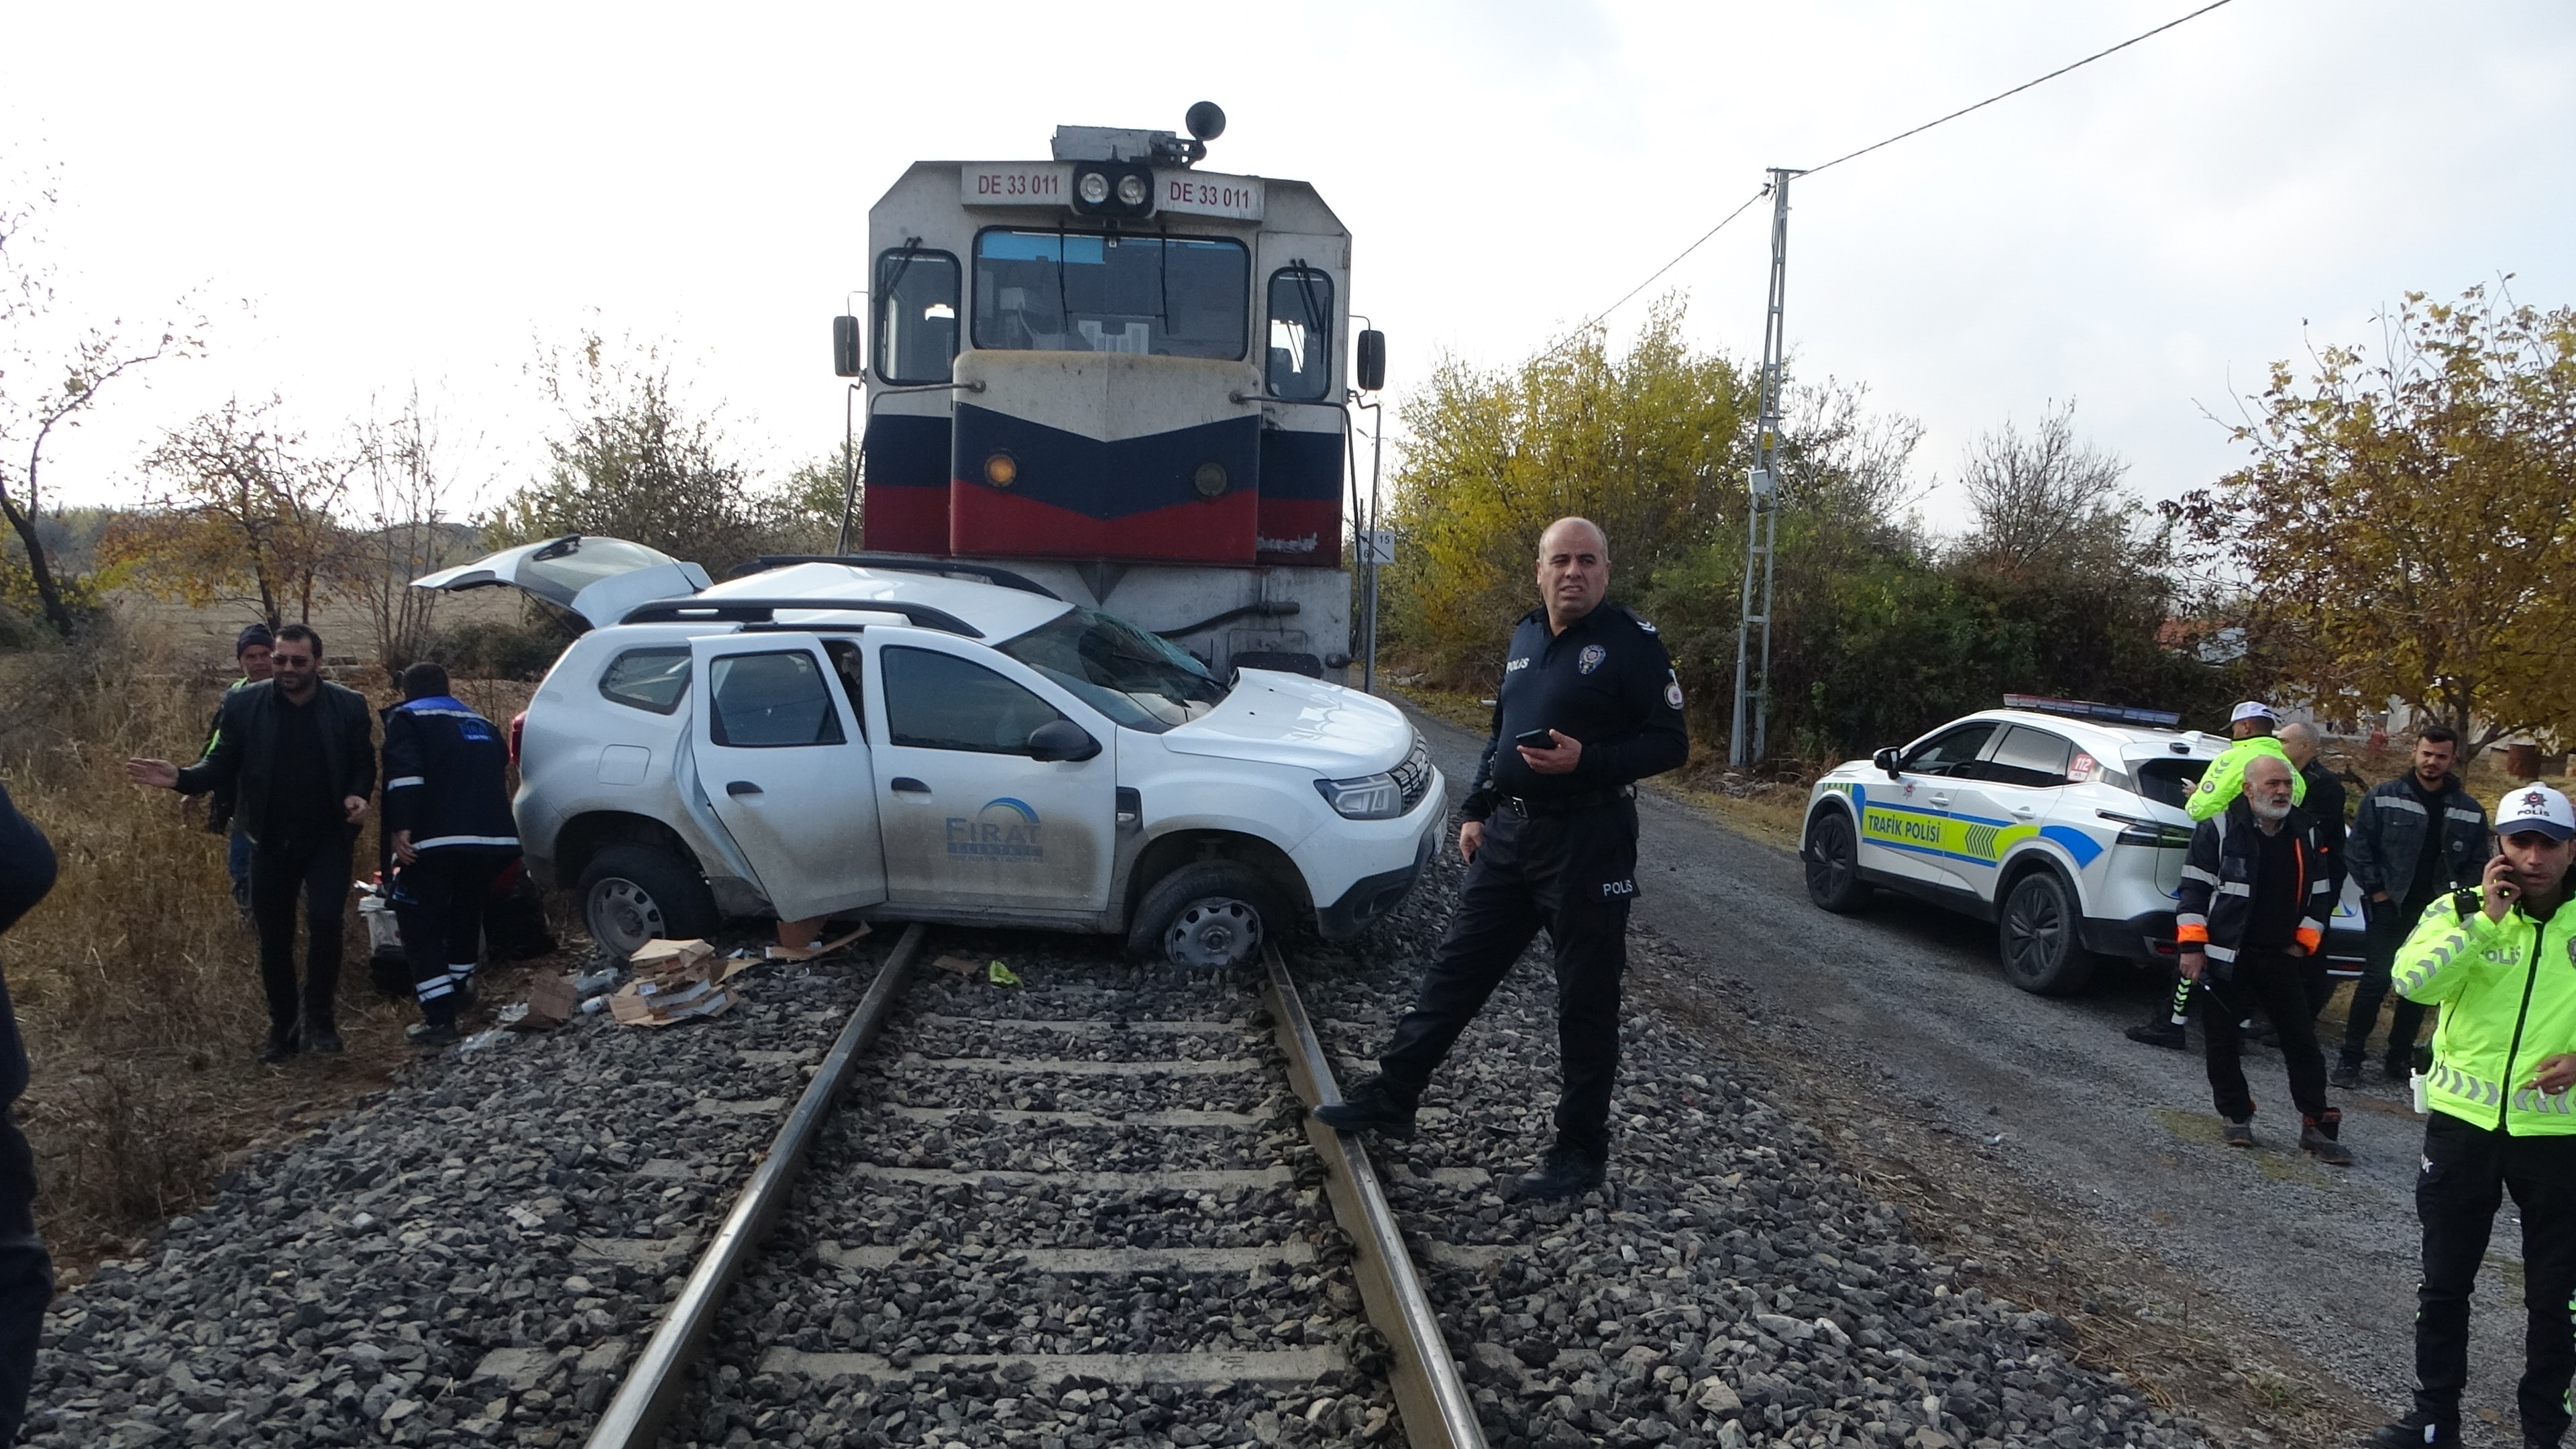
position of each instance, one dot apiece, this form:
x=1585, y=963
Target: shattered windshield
x=1139, y=680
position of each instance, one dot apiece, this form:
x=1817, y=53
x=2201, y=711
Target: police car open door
x=973, y=817
x=783, y=763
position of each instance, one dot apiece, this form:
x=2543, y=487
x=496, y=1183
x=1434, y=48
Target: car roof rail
x=2099, y=713
x=904, y=563
x=763, y=611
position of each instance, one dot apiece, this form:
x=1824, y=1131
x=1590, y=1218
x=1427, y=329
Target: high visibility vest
x=2507, y=990
x=2224, y=780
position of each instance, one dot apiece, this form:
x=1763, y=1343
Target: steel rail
x=633, y=1420
x=1429, y=1394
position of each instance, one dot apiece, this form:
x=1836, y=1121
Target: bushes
x=491, y=650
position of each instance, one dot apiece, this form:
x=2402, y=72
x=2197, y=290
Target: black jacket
x=1607, y=682
x=2325, y=806
x=244, y=753
x=2388, y=837
x=2221, y=875
x=26, y=873
x=447, y=778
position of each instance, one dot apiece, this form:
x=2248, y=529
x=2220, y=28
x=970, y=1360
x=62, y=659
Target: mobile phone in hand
x=1535, y=739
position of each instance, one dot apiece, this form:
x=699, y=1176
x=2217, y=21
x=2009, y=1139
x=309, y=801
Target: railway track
x=1086, y=1210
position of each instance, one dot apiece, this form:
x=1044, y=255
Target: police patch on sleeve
x=1590, y=659
x=1673, y=697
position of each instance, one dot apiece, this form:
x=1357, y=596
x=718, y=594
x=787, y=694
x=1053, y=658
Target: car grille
x=1413, y=777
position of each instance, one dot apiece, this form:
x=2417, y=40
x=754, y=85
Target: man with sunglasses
x=2499, y=958
x=300, y=755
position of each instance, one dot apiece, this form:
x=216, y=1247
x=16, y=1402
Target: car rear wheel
x=1832, y=858
x=1209, y=914
x=2038, y=926
x=631, y=894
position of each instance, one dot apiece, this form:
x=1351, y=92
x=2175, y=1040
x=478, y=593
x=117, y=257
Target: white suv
x=886, y=739
x=2059, y=820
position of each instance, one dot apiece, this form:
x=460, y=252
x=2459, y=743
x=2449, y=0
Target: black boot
x=2160, y=1033
x=283, y=1042
x=1564, y=1172
x=2417, y=1430
x=1373, y=1105
x=2346, y=1073
x=431, y=1034
x=321, y=1037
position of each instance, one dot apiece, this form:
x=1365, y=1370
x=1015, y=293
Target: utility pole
x=1762, y=510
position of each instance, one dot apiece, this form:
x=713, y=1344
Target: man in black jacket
x=301, y=758
x=26, y=1274
x=2323, y=805
x=447, y=815
x=2415, y=839
x=2252, y=907
x=251, y=648
x=1589, y=704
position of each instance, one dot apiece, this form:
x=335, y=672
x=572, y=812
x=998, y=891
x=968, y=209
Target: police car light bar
x=2087, y=709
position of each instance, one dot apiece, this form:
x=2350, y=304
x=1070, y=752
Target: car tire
x=1208, y=915
x=2040, y=930
x=1832, y=858
x=632, y=893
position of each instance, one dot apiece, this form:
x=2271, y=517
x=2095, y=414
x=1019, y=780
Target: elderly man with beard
x=2255, y=895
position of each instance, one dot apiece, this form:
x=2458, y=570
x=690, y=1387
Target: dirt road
x=2078, y=1163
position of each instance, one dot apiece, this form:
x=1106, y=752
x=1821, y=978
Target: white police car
x=929, y=740
x=2059, y=820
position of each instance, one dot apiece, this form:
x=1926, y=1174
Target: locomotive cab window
x=1301, y=334
x=1159, y=296
x=916, y=297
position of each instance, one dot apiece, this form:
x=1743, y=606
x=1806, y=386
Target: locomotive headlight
x=1093, y=187
x=1131, y=190
x=1210, y=479
x=1001, y=470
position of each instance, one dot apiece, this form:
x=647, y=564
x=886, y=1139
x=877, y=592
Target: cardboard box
x=551, y=1003
x=657, y=956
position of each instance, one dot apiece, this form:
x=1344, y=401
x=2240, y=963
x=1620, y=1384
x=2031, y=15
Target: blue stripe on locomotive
x=1301, y=466
x=1105, y=479
x=907, y=451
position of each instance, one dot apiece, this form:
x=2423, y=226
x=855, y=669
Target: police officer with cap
x=2495, y=958
x=1589, y=704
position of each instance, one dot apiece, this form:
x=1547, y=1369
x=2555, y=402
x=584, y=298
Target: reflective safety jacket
x=2222, y=871
x=2224, y=780
x=2507, y=990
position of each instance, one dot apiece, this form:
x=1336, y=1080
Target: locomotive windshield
x=1054, y=291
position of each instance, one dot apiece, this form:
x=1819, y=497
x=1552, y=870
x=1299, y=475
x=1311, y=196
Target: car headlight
x=1369, y=797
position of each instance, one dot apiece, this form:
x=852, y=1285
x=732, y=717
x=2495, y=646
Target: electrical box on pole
x=1747, y=742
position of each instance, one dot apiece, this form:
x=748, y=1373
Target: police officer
x=448, y=819
x=2494, y=957
x=1589, y=704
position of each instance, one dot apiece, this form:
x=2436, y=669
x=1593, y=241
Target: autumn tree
x=402, y=525
x=2046, y=502
x=244, y=510
x=2403, y=528
x=51, y=376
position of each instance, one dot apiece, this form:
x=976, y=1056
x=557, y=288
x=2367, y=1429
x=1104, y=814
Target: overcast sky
x=365, y=197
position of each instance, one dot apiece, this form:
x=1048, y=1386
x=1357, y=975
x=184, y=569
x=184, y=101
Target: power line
x=2017, y=90
x=1873, y=146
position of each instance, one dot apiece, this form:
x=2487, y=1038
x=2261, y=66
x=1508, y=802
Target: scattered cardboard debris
x=959, y=966
x=817, y=949
x=551, y=1002
x=675, y=981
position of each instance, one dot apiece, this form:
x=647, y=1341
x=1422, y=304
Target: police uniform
x=1560, y=853
x=447, y=782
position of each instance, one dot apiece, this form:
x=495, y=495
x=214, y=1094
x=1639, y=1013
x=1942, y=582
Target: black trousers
x=1573, y=875
x=319, y=872
x=438, y=899
x=2385, y=931
x=2467, y=1171
x=2277, y=986
x=26, y=1273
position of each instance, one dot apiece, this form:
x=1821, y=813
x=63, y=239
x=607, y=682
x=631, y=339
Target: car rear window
x=2167, y=779
x=652, y=678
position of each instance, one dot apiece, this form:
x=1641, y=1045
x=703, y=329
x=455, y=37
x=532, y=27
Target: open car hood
x=1289, y=719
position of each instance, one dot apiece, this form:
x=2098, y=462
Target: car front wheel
x=1832, y=859
x=1208, y=914
x=2038, y=927
x=632, y=893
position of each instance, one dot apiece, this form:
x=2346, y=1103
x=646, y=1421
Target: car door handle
x=1942, y=800
x=906, y=785
x=741, y=787
x=2024, y=811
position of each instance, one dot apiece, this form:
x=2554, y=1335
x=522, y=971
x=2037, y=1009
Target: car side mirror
x=1886, y=760
x=1061, y=739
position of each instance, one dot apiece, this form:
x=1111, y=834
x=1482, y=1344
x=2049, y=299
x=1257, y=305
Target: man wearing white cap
x=2497, y=959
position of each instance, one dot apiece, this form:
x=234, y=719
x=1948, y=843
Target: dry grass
x=136, y=985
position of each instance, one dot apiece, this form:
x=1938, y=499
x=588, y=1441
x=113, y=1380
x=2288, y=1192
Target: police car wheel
x=1832, y=858
x=1207, y=915
x=2039, y=928
x=631, y=894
